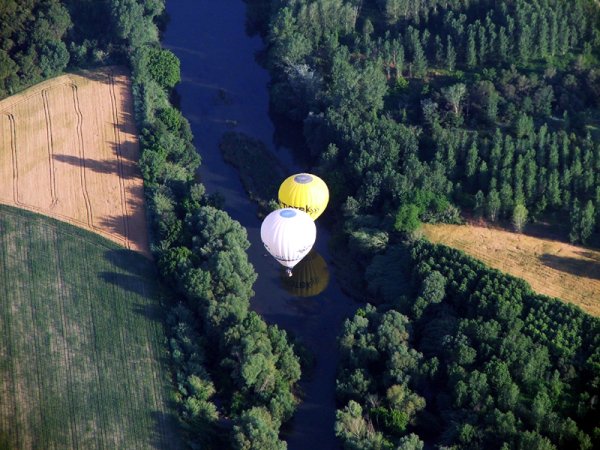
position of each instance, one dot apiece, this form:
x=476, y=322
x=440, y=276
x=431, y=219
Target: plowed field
x=69, y=150
x=551, y=267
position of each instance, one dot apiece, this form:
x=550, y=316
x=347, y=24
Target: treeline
x=233, y=374
x=465, y=357
x=32, y=43
x=397, y=97
x=40, y=39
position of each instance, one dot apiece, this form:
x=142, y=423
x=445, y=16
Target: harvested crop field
x=82, y=345
x=69, y=150
x=551, y=267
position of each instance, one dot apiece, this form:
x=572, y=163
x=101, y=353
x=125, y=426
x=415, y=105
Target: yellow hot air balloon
x=305, y=192
x=310, y=277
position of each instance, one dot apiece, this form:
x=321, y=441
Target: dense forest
x=237, y=394
x=414, y=107
x=427, y=111
x=462, y=356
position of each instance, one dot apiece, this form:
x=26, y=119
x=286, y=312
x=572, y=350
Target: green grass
x=82, y=346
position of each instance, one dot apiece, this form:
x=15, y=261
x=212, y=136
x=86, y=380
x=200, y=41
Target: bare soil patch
x=551, y=267
x=69, y=150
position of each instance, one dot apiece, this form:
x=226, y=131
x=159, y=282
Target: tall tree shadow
x=580, y=267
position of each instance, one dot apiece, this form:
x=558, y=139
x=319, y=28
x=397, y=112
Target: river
x=224, y=88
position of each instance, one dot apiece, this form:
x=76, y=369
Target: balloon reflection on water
x=310, y=277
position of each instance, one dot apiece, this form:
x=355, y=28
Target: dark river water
x=224, y=88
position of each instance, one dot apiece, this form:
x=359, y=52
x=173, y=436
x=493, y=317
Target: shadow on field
x=165, y=431
x=579, y=267
x=106, y=166
x=139, y=278
x=132, y=262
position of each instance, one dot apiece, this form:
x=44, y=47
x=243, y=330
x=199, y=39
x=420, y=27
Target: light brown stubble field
x=69, y=150
x=551, y=267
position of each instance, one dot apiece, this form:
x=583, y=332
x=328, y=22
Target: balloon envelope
x=310, y=277
x=305, y=192
x=288, y=235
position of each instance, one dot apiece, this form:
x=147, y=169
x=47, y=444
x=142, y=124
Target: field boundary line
x=82, y=178
x=113, y=101
x=50, y=146
x=36, y=210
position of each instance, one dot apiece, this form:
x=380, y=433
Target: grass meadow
x=82, y=346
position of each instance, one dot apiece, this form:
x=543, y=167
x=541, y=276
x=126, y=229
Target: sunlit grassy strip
x=81, y=341
x=552, y=268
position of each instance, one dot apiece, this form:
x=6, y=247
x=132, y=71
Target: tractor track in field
x=119, y=151
x=81, y=151
x=49, y=129
x=50, y=145
x=15, y=167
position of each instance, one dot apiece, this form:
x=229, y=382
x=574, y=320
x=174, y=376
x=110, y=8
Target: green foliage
x=391, y=421
x=502, y=361
x=479, y=127
x=407, y=218
x=162, y=65
x=582, y=221
x=256, y=430
x=519, y=217
x=354, y=430
x=32, y=42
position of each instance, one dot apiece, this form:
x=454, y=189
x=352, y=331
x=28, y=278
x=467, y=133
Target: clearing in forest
x=82, y=345
x=69, y=150
x=551, y=267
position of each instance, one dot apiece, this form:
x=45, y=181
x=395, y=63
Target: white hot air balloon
x=288, y=235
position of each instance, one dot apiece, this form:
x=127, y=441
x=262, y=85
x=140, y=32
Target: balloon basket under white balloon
x=288, y=272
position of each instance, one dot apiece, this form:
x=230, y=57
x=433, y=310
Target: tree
x=450, y=55
x=471, y=51
x=419, y=60
x=407, y=218
x=588, y=219
x=355, y=432
x=519, y=217
x=471, y=162
x=433, y=289
x=162, y=65
x=454, y=95
x=256, y=430
x=410, y=442
x=493, y=205
x=479, y=203
x=582, y=221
